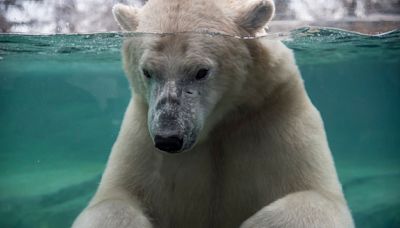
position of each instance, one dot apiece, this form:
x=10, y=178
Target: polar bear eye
x=202, y=73
x=146, y=73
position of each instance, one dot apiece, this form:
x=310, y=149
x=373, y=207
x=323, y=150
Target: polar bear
x=219, y=132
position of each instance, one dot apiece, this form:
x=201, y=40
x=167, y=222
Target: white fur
x=265, y=163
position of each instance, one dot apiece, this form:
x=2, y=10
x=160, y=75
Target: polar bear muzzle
x=174, y=121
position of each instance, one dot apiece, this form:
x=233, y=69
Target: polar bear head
x=188, y=79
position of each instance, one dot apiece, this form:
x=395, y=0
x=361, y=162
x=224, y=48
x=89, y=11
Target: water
x=62, y=98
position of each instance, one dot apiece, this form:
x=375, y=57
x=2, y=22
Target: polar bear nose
x=170, y=144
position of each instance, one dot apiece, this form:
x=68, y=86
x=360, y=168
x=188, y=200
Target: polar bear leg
x=307, y=209
x=112, y=214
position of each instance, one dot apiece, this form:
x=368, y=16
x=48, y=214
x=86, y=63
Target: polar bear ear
x=126, y=16
x=254, y=17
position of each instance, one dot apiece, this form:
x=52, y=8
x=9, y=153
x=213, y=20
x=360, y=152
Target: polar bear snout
x=168, y=131
x=168, y=143
x=175, y=118
x=172, y=130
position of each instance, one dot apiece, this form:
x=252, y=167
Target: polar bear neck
x=278, y=88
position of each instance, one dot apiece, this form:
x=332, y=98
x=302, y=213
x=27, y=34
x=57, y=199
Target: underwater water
x=62, y=98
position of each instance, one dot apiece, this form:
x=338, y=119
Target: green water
x=62, y=98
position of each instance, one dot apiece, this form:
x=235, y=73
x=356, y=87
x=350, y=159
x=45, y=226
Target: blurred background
x=88, y=16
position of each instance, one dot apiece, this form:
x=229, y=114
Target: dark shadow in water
x=57, y=209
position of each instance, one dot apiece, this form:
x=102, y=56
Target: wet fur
x=262, y=161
